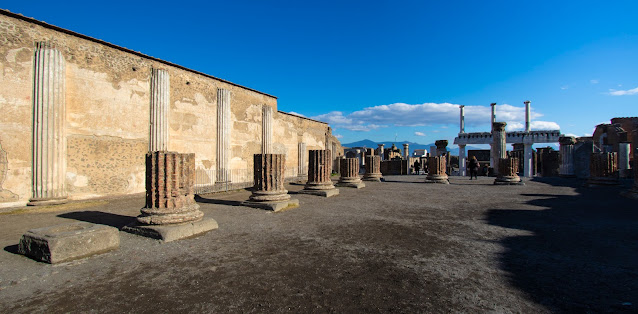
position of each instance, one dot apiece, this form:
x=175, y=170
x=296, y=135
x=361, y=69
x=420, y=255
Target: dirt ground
x=400, y=245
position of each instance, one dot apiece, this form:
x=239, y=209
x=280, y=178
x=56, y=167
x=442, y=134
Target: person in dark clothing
x=417, y=167
x=474, y=167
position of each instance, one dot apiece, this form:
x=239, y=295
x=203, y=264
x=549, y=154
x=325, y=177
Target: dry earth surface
x=401, y=245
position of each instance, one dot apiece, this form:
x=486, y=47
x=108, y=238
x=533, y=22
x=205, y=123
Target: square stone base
x=324, y=193
x=62, y=243
x=273, y=206
x=359, y=185
x=168, y=233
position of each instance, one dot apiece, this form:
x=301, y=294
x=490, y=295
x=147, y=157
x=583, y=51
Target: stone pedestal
x=603, y=169
x=269, y=192
x=566, y=168
x=373, y=169
x=319, y=169
x=171, y=212
x=436, y=170
x=350, y=174
x=67, y=242
x=508, y=172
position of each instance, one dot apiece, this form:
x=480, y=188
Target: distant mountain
x=372, y=144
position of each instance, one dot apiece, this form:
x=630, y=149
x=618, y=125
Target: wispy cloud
x=614, y=92
x=296, y=114
x=427, y=114
x=338, y=135
x=593, y=81
x=419, y=133
x=564, y=87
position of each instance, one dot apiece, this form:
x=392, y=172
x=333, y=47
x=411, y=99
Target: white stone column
x=462, y=161
x=493, y=119
x=266, y=127
x=49, y=119
x=223, y=135
x=160, y=102
x=406, y=151
x=623, y=159
x=527, y=115
x=302, y=160
x=566, y=168
x=528, y=156
x=381, y=150
x=462, y=119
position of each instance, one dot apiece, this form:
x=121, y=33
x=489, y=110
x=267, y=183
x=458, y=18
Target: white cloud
x=419, y=133
x=440, y=114
x=338, y=135
x=564, y=87
x=593, y=81
x=296, y=114
x=614, y=92
x=534, y=125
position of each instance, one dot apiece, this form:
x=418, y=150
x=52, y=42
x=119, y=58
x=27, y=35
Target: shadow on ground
x=102, y=218
x=582, y=254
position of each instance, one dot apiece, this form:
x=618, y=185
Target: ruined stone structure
x=527, y=138
x=350, y=174
x=373, y=169
x=436, y=170
x=99, y=108
x=508, y=172
x=603, y=169
x=319, y=170
x=441, y=147
x=269, y=192
x=567, y=156
x=171, y=212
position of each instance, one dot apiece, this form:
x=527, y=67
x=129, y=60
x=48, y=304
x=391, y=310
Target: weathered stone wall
x=108, y=112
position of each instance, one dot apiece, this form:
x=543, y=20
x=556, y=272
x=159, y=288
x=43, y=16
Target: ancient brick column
x=349, y=170
x=160, y=102
x=603, y=169
x=499, y=148
x=567, y=156
x=49, y=119
x=508, y=172
x=269, y=192
x=373, y=168
x=436, y=170
x=266, y=137
x=170, y=178
x=441, y=147
x=319, y=169
x=171, y=212
x=223, y=135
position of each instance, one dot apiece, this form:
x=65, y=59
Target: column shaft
x=223, y=135
x=499, y=148
x=49, y=118
x=462, y=161
x=267, y=121
x=160, y=99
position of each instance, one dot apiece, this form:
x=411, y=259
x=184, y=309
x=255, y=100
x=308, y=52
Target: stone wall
x=108, y=96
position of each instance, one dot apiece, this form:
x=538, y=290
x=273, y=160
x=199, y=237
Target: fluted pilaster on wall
x=266, y=127
x=302, y=159
x=160, y=100
x=49, y=117
x=223, y=134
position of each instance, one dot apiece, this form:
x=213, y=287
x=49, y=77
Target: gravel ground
x=400, y=245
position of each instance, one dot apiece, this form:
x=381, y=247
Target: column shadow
x=100, y=218
x=581, y=253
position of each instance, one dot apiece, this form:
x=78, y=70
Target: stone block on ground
x=66, y=242
x=172, y=232
x=273, y=206
x=324, y=193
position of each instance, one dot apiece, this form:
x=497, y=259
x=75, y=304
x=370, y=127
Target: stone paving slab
x=66, y=242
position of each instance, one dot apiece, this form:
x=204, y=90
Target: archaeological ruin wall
x=87, y=117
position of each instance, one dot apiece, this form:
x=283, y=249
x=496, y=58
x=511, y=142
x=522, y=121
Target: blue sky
x=376, y=69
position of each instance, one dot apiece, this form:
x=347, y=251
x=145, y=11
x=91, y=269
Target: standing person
x=417, y=167
x=474, y=166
